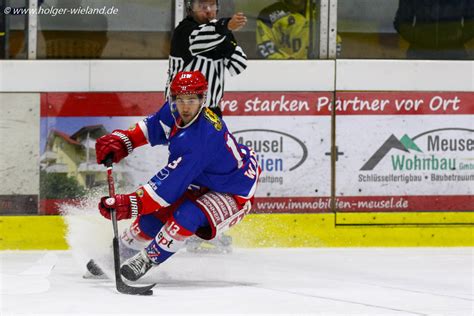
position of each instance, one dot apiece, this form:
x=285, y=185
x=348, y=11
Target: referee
x=201, y=42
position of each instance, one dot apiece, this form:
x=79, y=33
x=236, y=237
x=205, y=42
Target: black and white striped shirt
x=209, y=48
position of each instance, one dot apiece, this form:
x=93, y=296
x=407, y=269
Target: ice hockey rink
x=317, y=281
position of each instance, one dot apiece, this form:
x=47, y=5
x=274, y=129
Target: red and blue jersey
x=204, y=154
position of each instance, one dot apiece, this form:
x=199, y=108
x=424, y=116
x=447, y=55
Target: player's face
x=188, y=106
x=204, y=11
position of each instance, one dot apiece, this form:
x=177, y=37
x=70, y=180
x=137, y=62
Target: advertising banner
x=396, y=151
x=290, y=136
x=405, y=151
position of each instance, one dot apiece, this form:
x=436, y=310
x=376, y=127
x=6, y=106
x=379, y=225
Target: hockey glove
x=126, y=206
x=118, y=145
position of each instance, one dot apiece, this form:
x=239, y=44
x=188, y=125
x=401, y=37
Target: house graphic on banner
x=74, y=155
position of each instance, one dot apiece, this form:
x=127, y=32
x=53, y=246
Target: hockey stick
x=122, y=287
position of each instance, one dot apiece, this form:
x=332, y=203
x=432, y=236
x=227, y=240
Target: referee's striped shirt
x=206, y=48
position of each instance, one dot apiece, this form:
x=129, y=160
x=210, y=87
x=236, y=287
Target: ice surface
x=316, y=281
x=368, y=281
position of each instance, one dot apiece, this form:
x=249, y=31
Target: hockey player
x=207, y=186
x=283, y=30
x=201, y=42
x=207, y=44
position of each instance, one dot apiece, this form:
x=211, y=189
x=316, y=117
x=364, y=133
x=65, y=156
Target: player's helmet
x=189, y=82
x=189, y=5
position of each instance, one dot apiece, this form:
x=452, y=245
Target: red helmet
x=189, y=82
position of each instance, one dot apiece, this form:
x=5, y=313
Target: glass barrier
x=3, y=31
x=13, y=29
x=399, y=29
x=104, y=29
x=278, y=29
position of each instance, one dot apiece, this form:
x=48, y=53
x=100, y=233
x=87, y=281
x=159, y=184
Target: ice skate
x=219, y=245
x=94, y=271
x=136, y=267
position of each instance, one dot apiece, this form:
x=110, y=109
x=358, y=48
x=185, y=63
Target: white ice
x=396, y=281
x=316, y=281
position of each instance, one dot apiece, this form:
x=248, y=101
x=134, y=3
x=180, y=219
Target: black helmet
x=189, y=5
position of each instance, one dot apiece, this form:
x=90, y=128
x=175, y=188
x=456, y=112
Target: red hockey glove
x=117, y=144
x=125, y=205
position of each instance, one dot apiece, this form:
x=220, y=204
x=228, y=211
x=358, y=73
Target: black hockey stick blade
x=123, y=287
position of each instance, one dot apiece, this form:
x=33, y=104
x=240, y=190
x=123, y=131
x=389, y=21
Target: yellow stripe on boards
x=346, y=218
x=32, y=232
x=271, y=230
x=320, y=230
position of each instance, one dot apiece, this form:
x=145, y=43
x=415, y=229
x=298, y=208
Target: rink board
x=283, y=230
x=414, y=152
x=291, y=138
x=291, y=134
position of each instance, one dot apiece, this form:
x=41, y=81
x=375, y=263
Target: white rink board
x=404, y=75
x=261, y=75
x=428, y=132
x=19, y=134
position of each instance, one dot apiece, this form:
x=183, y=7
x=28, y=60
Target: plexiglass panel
x=105, y=29
x=278, y=29
x=13, y=29
x=431, y=29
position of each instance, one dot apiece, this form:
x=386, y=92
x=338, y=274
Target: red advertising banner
x=458, y=203
x=266, y=103
x=100, y=104
x=142, y=104
x=400, y=103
